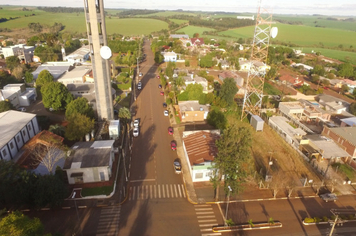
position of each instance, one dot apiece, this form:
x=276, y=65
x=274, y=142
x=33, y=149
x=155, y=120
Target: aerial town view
x=188, y=118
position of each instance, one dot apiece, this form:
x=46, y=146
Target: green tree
x=187, y=63
x=55, y=95
x=18, y=71
x=81, y=106
x=346, y=70
x=233, y=153
x=28, y=77
x=354, y=93
x=318, y=70
x=43, y=78
x=194, y=91
x=315, y=79
x=352, y=108
x=207, y=61
x=217, y=119
x=158, y=57
x=228, y=91
x=5, y=106
x=57, y=129
x=170, y=68
x=78, y=126
x=344, y=88
x=17, y=224
x=12, y=62
x=124, y=114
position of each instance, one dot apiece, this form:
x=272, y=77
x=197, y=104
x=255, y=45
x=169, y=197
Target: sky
x=300, y=7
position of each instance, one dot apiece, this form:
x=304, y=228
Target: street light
x=227, y=206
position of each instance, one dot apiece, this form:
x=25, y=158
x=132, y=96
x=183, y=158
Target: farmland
x=190, y=30
x=177, y=21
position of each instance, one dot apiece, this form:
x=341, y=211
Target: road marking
x=167, y=190
x=180, y=193
x=151, y=196
x=202, y=221
x=203, y=209
x=159, y=191
x=175, y=190
x=207, y=225
x=204, y=212
x=163, y=193
x=138, y=192
x=172, y=190
x=212, y=234
x=201, y=206
x=183, y=190
x=206, y=230
x=142, y=180
x=204, y=217
x=147, y=196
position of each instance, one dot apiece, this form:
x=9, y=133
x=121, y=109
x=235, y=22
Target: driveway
x=38, y=108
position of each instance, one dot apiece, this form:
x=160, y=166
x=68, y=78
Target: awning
x=79, y=174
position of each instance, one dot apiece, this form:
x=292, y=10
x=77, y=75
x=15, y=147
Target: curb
x=221, y=229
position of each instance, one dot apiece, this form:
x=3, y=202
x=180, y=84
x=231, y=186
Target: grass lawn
x=134, y=26
x=125, y=100
x=104, y=190
x=336, y=54
x=270, y=89
x=190, y=30
x=345, y=170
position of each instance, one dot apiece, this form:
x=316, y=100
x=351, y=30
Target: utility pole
x=227, y=206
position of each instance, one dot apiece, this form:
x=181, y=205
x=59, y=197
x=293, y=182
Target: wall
x=349, y=148
x=88, y=174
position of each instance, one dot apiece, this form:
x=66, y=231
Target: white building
x=191, y=79
x=90, y=162
x=78, y=75
x=78, y=56
x=18, y=94
x=199, y=150
x=17, y=128
x=170, y=56
x=23, y=52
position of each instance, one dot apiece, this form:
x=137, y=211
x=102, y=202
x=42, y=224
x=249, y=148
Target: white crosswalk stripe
x=206, y=219
x=109, y=221
x=154, y=191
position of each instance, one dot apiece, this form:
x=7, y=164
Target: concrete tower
x=95, y=22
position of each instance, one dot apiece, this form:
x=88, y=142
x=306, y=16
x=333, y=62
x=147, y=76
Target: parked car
x=136, y=123
x=165, y=113
x=158, y=77
x=173, y=145
x=164, y=105
x=328, y=197
x=177, y=166
x=136, y=132
x=170, y=130
x=162, y=93
x=21, y=109
x=159, y=86
x=140, y=74
x=139, y=85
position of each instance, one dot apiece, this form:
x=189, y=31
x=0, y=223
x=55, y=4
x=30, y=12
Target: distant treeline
x=219, y=24
x=62, y=9
x=289, y=22
x=136, y=12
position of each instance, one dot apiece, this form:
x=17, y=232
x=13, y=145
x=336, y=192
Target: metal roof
x=348, y=133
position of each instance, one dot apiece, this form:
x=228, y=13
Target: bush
x=171, y=115
x=177, y=120
x=230, y=222
x=332, y=217
x=325, y=219
x=343, y=217
x=169, y=101
x=309, y=220
x=317, y=219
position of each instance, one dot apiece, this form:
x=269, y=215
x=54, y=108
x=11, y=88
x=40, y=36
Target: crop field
x=134, y=26
x=168, y=14
x=190, y=30
x=336, y=54
x=177, y=21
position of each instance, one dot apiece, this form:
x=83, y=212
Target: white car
x=139, y=85
x=136, y=132
x=140, y=74
x=136, y=123
x=21, y=109
x=328, y=197
x=165, y=113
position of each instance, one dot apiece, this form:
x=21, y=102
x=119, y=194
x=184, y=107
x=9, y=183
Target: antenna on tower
x=258, y=60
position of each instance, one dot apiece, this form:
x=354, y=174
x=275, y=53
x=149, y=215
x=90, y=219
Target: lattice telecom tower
x=255, y=80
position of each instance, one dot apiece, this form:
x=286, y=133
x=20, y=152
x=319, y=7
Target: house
x=348, y=122
x=245, y=65
x=223, y=63
x=246, y=17
x=90, y=162
x=199, y=150
x=86, y=90
x=290, y=134
x=23, y=52
x=192, y=111
x=78, y=56
x=238, y=79
x=18, y=94
x=332, y=104
x=305, y=67
x=350, y=83
x=78, y=75
x=321, y=148
x=197, y=41
x=290, y=80
x=56, y=68
x=170, y=56
x=191, y=79
x=336, y=83
x=345, y=137
x=17, y=128
x=179, y=36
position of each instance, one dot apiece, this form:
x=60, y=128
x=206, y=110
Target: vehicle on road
x=136, y=123
x=173, y=145
x=328, y=197
x=165, y=112
x=159, y=86
x=170, y=130
x=162, y=93
x=158, y=77
x=136, y=132
x=177, y=166
x=140, y=74
x=139, y=85
x=21, y=109
x=164, y=105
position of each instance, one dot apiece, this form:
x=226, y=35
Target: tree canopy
x=18, y=224
x=228, y=91
x=81, y=106
x=5, y=106
x=217, y=119
x=353, y=108
x=192, y=92
x=43, y=78
x=79, y=125
x=124, y=113
x=12, y=62
x=55, y=95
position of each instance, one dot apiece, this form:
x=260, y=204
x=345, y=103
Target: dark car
x=162, y=93
x=164, y=105
x=173, y=145
x=170, y=130
x=159, y=86
x=177, y=166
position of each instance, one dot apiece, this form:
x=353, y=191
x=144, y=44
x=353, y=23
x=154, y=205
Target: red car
x=170, y=130
x=173, y=145
x=162, y=93
x=158, y=77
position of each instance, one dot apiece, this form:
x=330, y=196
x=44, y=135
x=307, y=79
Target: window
x=18, y=138
x=198, y=175
x=91, y=49
x=102, y=176
x=89, y=28
x=97, y=6
x=24, y=132
x=11, y=145
x=29, y=127
x=99, y=28
x=4, y=152
x=208, y=174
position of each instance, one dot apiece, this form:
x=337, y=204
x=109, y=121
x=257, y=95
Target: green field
x=336, y=54
x=134, y=26
x=168, y=14
x=191, y=30
x=177, y=21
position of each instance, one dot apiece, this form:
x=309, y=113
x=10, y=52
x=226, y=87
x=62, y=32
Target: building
x=246, y=17
x=18, y=94
x=350, y=83
x=191, y=79
x=23, y=52
x=238, y=79
x=96, y=29
x=345, y=137
x=197, y=41
x=336, y=83
x=179, y=36
x=305, y=67
x=332, y=104
x=199, y=150
x=78, y=56
x=192, y=111
x=78, y=75
x=56, y=69
x=290, y=80
x=245, y=65
x=90, y=162
x=348, y=122
x=17, y=128
x=170, y=56
x=290, y=134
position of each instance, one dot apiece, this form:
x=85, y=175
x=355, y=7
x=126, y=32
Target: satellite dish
x=274, y=32
x=105, y=52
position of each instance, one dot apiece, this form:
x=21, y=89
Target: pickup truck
x=328, y=197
